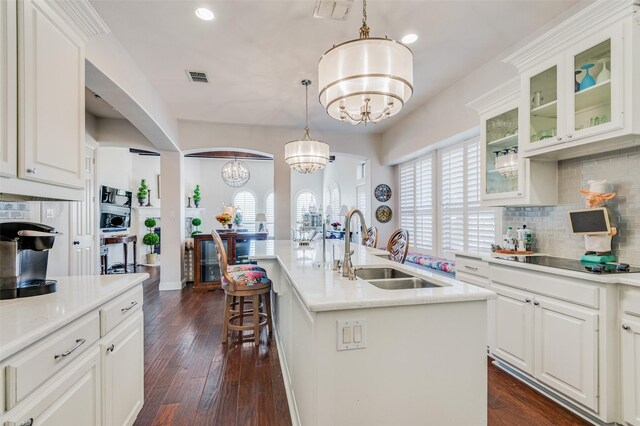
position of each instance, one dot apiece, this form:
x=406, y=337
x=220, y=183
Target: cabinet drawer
x=118, y=310
x=472, y=279
x=472, y=266
x=560, y=287
x=32, y=367
x=631, y=301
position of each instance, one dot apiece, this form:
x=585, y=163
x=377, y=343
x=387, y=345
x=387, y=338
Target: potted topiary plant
x=196, y=196
x=143, y=192
x=150, y=240
x=196, y=221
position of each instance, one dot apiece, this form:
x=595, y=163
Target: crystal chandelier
x=235, y=173
x=306, y=155
x=365, y=80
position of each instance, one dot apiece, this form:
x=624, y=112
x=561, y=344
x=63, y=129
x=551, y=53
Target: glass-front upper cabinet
x=543, y=108
x=502, y=171
x=593, y=104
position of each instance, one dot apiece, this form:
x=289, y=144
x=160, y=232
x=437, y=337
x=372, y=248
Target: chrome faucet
x=346, y=263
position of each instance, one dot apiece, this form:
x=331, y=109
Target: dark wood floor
x=193, y=379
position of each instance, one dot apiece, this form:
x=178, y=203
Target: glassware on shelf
x=604, y=74
x=537, y=99
x=576, y=82
x=587, y=80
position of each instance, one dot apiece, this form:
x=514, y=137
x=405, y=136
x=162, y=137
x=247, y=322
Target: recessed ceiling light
x=204, y=14
x=409, y=38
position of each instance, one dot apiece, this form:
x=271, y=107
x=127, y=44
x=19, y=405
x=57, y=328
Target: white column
x=172, y=220
x=282, y=195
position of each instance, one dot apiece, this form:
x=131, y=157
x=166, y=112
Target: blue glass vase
x=587, y=80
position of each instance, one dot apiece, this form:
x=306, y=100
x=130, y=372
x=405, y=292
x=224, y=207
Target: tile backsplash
x=550, y=225
x=15, y=211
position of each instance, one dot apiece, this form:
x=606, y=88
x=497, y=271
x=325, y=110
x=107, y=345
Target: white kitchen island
x=422, y=354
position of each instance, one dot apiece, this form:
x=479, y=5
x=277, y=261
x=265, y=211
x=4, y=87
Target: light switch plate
x=348, y=344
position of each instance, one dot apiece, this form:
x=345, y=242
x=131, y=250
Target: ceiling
x=256, y=52
x=98, y=106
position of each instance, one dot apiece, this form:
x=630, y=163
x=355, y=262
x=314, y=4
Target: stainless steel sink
x=380, y=273
x=403, y=283
x=388, y=278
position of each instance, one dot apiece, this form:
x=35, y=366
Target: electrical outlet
x=351, y=334
x=49, y=214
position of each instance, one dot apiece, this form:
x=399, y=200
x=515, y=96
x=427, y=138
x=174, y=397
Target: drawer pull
x=536, y=303
x=134, y=303
x=79, y=343
x=527, y=300
x=28, y=422
x=626, y=327
x=111, y=348
x=471, y=267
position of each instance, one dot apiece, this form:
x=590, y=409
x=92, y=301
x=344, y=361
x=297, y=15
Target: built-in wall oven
x=115, y=209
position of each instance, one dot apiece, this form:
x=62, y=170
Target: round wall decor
x=382, y=192
x=384, y=214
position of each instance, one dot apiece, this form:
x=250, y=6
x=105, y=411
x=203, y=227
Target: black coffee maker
x=24, y=252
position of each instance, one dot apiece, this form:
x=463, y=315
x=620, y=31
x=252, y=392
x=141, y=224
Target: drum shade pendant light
x=365, y=80
x=306, y=155
x=235, y=173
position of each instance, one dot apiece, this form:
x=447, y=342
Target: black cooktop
x=576, y=265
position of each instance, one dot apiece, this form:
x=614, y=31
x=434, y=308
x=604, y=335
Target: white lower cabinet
x=630, y=371
x=71, y=398
x=553, y=341
x=123, y=372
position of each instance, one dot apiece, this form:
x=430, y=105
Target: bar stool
x=373, y=237
x=398, y=245
x=251, y=284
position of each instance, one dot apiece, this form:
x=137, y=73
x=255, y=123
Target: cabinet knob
x=560, y=139
x=569, y=136
x=536, y=303
x=32, y=170
x=28, y=422
x=76, y=243
x=111, y=348
x=626, y=327
x=527, y=300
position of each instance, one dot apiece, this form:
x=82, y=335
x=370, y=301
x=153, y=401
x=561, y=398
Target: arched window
x=304, y=201
x=271, y=214
x=245, y=201
x=335, y=203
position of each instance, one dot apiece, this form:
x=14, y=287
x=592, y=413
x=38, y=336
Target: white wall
x=215, y=193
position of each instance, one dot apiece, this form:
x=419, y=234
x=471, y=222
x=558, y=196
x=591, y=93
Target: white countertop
x=25, y=320
x=325, y=290
x=632, y=279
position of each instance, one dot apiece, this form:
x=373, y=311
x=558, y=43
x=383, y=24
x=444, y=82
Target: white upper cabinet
x=507, y=178
x=578, y=91
x=51, y=97
x=8, y=89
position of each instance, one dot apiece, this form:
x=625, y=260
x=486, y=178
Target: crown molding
x=599, y=15
x=501, y=95
x=82, y=16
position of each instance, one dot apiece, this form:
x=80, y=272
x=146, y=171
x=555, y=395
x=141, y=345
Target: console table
x=206, y=271
x=124, y=240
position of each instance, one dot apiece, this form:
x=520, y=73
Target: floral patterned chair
x=373, y=237
x=398, y=245
x=239, y=282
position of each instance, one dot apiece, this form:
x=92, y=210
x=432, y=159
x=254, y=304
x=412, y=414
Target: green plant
x=150, y=240
x=196, y=221
x=143, y=190
x=196, y=194
x=150, y=223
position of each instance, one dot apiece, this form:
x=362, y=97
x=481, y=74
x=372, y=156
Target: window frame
x=245, y=222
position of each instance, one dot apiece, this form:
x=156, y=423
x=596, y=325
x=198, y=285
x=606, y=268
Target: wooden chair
x=373, y=237
x=244, y=283
x=398, y=245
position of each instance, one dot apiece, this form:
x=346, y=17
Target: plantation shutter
x=361, y=199
x=270, y=213
x=304, y=202
x=423, y=235
x=481, y=222
x=453, y=199
x=407, y=198
x=246, y=202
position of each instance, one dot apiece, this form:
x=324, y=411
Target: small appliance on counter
x=24, y=252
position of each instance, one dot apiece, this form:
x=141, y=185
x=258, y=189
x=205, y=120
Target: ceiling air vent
x=197, y=76
x=332, y=9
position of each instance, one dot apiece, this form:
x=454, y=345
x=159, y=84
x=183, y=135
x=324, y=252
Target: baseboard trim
x=549, y=394
x=172, y=285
